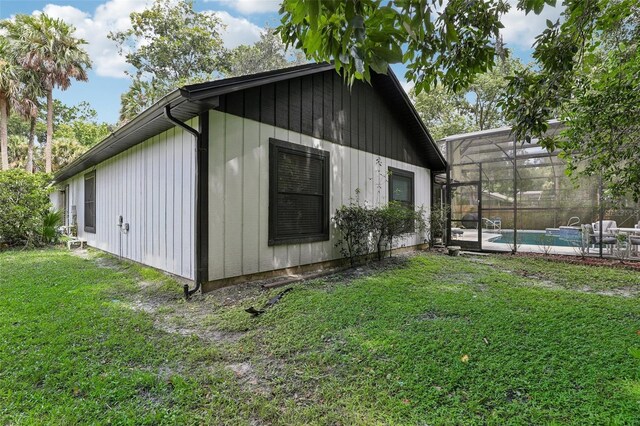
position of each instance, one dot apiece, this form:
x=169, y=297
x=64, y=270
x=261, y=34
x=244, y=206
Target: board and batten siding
x=151, y=185
x=239, y=195
x=324, y=107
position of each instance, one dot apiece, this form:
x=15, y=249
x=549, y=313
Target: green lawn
x=493, y=340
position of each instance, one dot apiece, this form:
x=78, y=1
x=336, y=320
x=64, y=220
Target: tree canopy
x=477, y=108
x=75, y=130
x=585, y=73
x=448, y=44
x=168, y=45
x=268, y=53
x=587, y=76
x=10, y=74
x=47, y=49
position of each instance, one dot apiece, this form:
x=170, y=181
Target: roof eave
x=134, y=125
x=416, y=117
x=196, y=92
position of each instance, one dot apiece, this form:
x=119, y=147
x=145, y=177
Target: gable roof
x=189, y=101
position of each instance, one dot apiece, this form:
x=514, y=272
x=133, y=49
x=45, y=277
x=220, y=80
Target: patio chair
x=634, y=240
x=456, y=232
x=494, y=223
x=606, y=227
x=591, y=239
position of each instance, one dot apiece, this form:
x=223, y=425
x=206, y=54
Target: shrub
x=395, y=219
x=355, y=225
x=438, y=222
x=24, y=202
x=51, y=226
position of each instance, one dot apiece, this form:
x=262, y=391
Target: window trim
x=412, y=203
x=88, y=176
x=276, y=146
x=407, y=174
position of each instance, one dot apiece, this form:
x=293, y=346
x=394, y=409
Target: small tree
x=24, y=203
x=355, y=225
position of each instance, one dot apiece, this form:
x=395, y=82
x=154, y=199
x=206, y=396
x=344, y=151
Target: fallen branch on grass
x=255, y=312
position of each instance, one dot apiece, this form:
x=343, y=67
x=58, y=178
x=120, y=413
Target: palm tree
x=47, y=47
x=140, y=96
x=27, y=104
x=9, y=81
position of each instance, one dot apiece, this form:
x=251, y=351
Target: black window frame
x=412, y=203
x=87, y=177
x=276, y=237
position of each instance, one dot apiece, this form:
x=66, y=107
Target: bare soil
x=633, y=265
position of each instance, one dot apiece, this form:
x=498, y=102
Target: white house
x=238, y=178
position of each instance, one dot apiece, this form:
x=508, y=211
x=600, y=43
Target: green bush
x=395, y=219
x=50, y=227
x=438, y=222
x=355, y=225
x=24, y=203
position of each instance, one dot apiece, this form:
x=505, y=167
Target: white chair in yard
x=591, y=237
x=634, y=241
x=606, y=227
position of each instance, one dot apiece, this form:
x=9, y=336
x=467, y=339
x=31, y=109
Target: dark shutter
x=90, y=202
x=298, y=193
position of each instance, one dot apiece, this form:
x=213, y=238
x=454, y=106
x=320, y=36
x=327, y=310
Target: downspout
x=200, y=197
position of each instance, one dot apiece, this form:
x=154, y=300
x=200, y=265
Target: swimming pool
x=538, y=238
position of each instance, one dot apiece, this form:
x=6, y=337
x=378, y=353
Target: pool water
x=538, y=238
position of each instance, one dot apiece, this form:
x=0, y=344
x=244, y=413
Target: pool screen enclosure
x=506, y=195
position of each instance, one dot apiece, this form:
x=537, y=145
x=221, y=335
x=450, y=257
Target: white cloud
x=239, y=30
x=110, y=16
x=520, y=30
x=252, y=6
x=113, y=15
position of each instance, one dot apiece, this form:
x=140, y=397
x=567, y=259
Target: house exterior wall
x=324, y=107
x=151, y=185
x=239, y=195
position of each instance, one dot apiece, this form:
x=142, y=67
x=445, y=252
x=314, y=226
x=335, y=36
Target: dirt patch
x=371, y=268
x=537, y=281
x=162, y=300
x=83, y=254
x=618, y=292
x=182, y=319
x=586, y=261
x=248, y=378
x=207, y=334
x=481, y=260
x=233, y=295
x=258, y=376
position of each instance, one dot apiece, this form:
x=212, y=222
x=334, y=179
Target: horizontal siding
x=151, y=186
x=239, y=195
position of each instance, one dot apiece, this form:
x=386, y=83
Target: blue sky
x=94, y=19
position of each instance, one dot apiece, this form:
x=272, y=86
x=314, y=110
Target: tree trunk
x=47, y=145
x=4, y=152
x=32, y=136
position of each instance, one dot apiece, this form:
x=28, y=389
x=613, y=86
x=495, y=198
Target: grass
x=439, y=341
